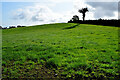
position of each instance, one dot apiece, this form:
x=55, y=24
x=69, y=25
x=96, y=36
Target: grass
x=63, y=50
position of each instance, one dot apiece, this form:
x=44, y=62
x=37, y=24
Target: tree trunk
x=83, y=16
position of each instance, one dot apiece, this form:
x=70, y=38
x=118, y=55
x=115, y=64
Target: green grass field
x=62, y=50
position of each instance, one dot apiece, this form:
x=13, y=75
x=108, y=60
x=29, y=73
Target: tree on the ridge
x=83, y=11
x=75, y=18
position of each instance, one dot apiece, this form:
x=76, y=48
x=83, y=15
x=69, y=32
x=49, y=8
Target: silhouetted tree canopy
x=75, y=18
x=83, y=11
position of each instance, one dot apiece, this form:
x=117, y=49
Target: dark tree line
x=75, y=19
x=115, y=23
x=10, y=27
x=0, y=27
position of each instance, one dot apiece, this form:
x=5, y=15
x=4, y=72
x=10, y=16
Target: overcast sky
x=54, y=11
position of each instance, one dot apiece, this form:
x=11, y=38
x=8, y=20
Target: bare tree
x=83, y=11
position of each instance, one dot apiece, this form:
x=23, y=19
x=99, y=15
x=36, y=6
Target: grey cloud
x=105, y=5
x=101, y=13
x=34, y=18
x=37, y=18
x=104, y=8
x=119, y=10
x=40, y=15
x=53, y=20
x=37, y=13
x=21, y=15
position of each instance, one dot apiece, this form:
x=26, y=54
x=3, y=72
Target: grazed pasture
x=64, y=50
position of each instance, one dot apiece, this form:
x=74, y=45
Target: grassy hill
x=63, y=50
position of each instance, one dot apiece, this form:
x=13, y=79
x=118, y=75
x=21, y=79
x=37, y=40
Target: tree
x=0, y=27
x=75, y=18
x=83, y=11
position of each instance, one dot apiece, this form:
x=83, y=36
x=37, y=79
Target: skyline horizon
x=26, y=14
x=50, y=23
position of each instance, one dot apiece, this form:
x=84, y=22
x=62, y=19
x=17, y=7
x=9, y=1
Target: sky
x=53, y=11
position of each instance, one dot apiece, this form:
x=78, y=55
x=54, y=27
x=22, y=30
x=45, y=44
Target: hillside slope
x=63, y=50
